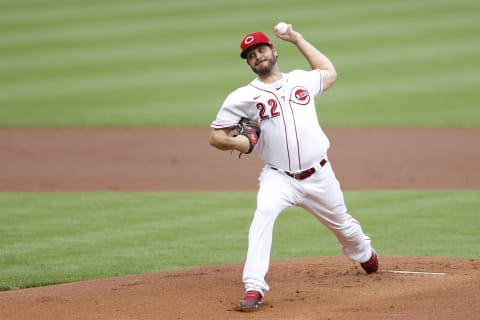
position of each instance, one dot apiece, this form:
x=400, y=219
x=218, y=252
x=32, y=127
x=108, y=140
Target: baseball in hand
x=282, y=27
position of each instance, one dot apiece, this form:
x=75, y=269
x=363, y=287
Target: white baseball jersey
x=279, y=108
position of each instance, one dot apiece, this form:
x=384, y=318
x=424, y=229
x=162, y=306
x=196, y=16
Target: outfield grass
x=64, y=237
x=171, y=63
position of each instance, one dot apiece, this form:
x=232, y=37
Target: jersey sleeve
x=315, y=78
x=230, y=113
x=312, y=79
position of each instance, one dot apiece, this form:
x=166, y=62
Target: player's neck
x=271, y=77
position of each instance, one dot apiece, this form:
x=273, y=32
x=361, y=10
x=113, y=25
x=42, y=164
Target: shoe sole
x=248, y=308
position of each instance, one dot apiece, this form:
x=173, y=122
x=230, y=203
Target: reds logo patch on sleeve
x=300, y=95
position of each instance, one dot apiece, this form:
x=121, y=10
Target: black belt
x=303, y=174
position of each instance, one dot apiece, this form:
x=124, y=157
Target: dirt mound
x=314, y=288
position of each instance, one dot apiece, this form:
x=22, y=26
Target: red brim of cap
x=244, y=53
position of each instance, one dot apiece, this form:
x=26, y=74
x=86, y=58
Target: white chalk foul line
x=415, y=272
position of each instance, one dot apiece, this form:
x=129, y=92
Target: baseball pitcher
x=275, y=116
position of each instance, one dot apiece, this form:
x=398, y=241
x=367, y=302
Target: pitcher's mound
x=312, y=288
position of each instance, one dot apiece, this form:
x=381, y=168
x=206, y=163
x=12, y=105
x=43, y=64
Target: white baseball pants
x=319, y=194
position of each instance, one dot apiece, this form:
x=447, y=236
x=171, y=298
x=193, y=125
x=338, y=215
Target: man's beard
x=263, y=71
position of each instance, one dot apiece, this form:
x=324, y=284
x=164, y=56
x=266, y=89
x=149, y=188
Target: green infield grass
x=172, y=63
x=48, y=238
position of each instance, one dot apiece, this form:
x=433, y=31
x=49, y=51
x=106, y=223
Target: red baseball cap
x=251, y=40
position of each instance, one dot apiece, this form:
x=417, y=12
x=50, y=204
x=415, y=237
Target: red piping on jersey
x=284, y=124
x=296, y=134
